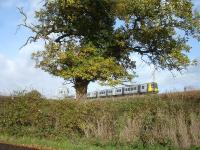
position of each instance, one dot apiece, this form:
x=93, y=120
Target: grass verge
x=81, y=144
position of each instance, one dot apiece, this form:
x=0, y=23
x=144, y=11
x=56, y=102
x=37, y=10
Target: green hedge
x=168, y=119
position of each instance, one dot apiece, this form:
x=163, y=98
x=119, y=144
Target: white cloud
x=20, y=74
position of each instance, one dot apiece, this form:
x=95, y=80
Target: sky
x=18, y=72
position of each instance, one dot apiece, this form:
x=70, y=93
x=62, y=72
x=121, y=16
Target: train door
x=143, y=88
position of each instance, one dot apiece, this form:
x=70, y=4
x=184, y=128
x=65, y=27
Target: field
x=167, y=121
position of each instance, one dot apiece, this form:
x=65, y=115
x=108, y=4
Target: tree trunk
x=81, y=89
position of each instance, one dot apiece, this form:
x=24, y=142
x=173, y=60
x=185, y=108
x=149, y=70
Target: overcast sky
x=17, y=70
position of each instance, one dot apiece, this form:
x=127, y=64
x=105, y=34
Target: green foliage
x=79, y=62
x=83, y=36
x=135, y=123
x=161, y=29
x=34, y=94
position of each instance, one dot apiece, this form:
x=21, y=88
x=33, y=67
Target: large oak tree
x=84, y=43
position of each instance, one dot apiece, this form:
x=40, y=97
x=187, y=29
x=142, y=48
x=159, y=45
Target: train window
x=142, y=87
x=155, y=85
x=131, y=89
x=119, y=90
x=134, y=88
x=110, y=91
x=103, y=92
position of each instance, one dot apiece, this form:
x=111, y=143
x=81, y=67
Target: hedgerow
x=168, y=119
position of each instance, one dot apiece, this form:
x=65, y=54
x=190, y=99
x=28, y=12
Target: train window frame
x=109, y=91
x=102, y=92
x=119, y=90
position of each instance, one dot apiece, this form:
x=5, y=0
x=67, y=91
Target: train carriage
x=143, y=88
x=109, y=92
x=118, y=91
x=151, y=87
x=102, y=93
x=133, y=89
x=92, y=94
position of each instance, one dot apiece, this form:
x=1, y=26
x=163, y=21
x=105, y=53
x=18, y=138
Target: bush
x=34, y=94
x=168, y=119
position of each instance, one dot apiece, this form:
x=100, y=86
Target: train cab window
x=142, y=87
x=155, y=85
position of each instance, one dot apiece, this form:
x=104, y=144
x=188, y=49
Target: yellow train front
x=152, y=87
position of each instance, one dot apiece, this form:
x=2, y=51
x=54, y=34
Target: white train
x=151, y=87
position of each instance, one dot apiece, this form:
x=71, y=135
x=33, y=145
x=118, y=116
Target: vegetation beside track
x=166, y=121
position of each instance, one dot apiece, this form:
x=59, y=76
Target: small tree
x=83, y=44
x=34, y=94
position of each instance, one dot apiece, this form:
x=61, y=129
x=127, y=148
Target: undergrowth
x=167, y=120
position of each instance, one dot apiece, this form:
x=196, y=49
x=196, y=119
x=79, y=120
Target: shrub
x=153, y=119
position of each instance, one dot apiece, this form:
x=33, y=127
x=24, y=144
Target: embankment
x=167, y=119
